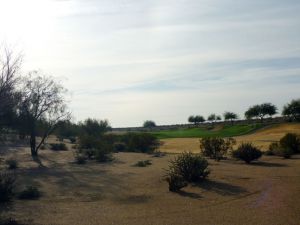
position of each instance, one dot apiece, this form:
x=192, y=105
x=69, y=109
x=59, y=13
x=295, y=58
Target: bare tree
x=10, y=64
x=43, y=99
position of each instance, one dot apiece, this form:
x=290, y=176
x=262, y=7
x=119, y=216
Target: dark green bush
x=29, y=193
x=158, y=154
x=247, y=152
x=140, y=142
x=192, y=167
x=119, y=147
x=215, y=147
x=143, y=163
x=12, y=164
x=176, y=182
x=290, y=141
x=273, y=147
x=80, y=158
x=7, y=186
x=58, y=147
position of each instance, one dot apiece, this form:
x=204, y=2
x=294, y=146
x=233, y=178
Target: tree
x=149, y=124
x=212, y=117
x=218, y=118
x=42, y=100
x=196, y=119
x=292, y=110
x=230, y=116
x=94, y=127
x=10, y=64
x=261, y=111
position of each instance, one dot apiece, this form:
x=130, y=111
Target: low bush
x=119, y=147
x=7, y=186
x=143, y=163
x=58, y=147
x=29, y=193
x=191, y=167
x=140, y=142
x=12, y=164
x=290, y=141
x=158, y=154
x=104, y=155
x=247, y=152
x=79, y=158
x=215, y=147
x=176, y=182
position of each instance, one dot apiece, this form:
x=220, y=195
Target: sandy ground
x=261, y=139
x=267, y=192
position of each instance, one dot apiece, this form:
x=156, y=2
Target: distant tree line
x=291, y=111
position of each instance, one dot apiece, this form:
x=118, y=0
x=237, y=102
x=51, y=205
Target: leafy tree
x=212, y=117
x=261, y=111
x=292, y=110
x=94, y=127
x=218, y=118
x=196, y=119
x=42, y=99
x=230, y=116
x=149, y=124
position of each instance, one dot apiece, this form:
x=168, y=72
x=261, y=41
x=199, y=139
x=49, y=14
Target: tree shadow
x=189, y=194
x=267, y=164
x=221, y=188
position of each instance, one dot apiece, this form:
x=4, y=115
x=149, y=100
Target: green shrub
x=119, y=147
x=247, y=152
x=272, y=148
x=103, y=155
x=12, y=164
x=215, y=147
x=29, y=193
x=58, y=147
x=176, y=182
x=143, y=163
x=290, y=141
x=191, y=167
x=7, y=186
x=140, y=142
x=283, y=152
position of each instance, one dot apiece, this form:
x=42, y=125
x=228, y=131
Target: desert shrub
x=143, y=163
x=290, y=141
x=72, y=140
x=215, y=147
x=140, y=142
x=43, y=147
x=30, y=192
x=79, y=157
x=247, y=152
x=7, y=186
x=284, y=152
x=12, y=164
x=273, y=147
x=58, y=146
x=176, y=182
x=103, y=155
x=119, y=147
x=158, y=154
x=192, y=167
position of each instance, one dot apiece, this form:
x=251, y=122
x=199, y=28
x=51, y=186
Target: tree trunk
x=33, y=142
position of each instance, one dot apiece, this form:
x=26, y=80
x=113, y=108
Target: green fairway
x=226, y=131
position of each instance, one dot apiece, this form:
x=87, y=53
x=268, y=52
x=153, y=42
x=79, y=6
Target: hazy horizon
x=130, y=61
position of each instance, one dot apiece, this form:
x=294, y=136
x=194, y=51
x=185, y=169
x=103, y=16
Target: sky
x=134, y=60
